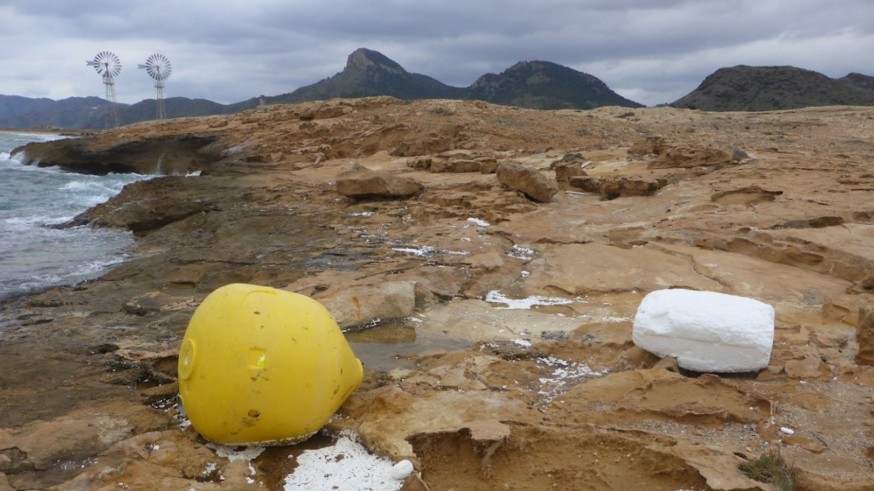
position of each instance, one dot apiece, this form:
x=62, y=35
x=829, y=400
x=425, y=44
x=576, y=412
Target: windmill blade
x=106, y=63
x=157, y=66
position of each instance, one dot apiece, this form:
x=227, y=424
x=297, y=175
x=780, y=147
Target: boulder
x=615, y=187
x=706, y=331
x=531, y=182
x=361, y=182
x=359, y=306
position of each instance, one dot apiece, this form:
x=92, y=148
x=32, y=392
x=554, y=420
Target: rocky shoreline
x=603, y=207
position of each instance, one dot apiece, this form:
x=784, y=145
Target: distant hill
x=90, y=112
x=530, y=84
x=748, y=88
x=545, y=85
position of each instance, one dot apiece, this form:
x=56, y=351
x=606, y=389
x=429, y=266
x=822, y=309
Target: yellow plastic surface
x=263, y=366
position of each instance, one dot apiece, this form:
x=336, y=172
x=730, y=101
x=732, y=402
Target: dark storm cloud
x=649, y=51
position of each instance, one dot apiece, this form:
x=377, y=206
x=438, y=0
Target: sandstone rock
x=422, y=146
x=531, y=182
x=361, y=182
x=651, y=145
x=455, y=165
x=487, y=165
x=805, y=368
x=865, y=338
x=564, y=172
x=612, y=188
x=362, y=305
x=706, y=331
x=749, y=195
x=420, y=163
x=688, y=156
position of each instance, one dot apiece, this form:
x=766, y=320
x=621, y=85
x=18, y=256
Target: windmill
x=107, y=64
x=158, y=67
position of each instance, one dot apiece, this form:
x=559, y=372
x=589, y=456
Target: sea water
x=34, y=254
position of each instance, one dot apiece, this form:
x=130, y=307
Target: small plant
x=441, y=111
x=771, y=468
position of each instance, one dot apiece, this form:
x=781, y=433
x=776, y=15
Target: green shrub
x=771, y=468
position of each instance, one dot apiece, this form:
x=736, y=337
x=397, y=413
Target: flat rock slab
x=580, y=269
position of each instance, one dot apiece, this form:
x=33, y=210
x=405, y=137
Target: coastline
x=469, y=374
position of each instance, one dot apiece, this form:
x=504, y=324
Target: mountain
x=748, y=88
x=73, y=112
x=530, y=84
x=545, y=85
x=90, y=112
x=369, y=73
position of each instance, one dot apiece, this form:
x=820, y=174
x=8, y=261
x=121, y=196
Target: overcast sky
x=650, y=51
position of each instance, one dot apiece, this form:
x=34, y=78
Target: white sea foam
x=33, y=199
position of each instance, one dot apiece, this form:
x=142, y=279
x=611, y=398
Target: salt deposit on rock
x=706, y=331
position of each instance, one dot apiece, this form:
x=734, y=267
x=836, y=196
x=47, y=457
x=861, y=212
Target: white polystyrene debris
x=788, y=431
x=346, y=465
x=232, y=454
x=495, y=296
x=706, y=331
x=401, y=470
x=477, y=221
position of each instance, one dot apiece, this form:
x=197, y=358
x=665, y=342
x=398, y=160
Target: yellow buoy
x=263, y=366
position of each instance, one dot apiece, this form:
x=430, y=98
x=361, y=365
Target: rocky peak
x=766, y=88
x=364, y=59
x=546, y=85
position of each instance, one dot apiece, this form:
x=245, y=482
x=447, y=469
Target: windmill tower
x=158, y=67
x=107, y=64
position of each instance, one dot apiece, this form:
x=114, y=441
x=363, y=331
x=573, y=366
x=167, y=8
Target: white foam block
x=706, y=331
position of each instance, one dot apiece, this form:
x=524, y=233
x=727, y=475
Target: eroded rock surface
x=495, y=330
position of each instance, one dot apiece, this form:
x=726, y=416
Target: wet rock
x=174, y=154
x=148, y=205
x=361, y=182
x=75, y=436
x=531, y=182
x=153, y=302
x=706, y=331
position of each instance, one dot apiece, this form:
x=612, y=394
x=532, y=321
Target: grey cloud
x=648, y=50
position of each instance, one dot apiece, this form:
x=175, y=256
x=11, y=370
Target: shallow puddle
x=397, y=344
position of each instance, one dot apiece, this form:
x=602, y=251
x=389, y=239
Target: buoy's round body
x=263, y=366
